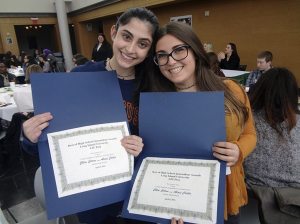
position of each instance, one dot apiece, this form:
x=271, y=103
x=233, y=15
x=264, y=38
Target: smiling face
x=181, y=73
x=131, y=43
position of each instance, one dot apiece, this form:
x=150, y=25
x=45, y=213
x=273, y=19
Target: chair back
x=242, y=67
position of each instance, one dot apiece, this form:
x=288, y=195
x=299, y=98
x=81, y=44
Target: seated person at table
x=44, y=63
x=214, y=64
x=264, y=63
x=5, y=77
x=208, y=47
x=276, y=160
x=229, y=59
x=32, y=69
x=79, y=59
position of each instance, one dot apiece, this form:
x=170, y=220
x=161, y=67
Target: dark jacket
x=104, y=52
x=232, y=64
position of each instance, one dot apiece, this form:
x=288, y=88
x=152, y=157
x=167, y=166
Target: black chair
x=242, y=67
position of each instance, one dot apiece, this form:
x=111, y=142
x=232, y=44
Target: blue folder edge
x=99, y=84
x=153, y=132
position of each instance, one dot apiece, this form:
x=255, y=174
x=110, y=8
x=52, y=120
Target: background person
x=264, y=63
x=230, y=58
x=5, y=76
x=79, y=59
x=276, y=160
x=102, y=50
x=275, y=163
x=214, y=64
x=34, y=68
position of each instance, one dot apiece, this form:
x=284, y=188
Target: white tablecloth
x=6, y=112
x=233, y=73
x=23, y=98
x=20, y=100
x=16, y=71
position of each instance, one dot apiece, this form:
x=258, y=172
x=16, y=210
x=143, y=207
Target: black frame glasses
x=179, y=53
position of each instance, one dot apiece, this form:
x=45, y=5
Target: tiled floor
x=16, y=187
x=17, y=197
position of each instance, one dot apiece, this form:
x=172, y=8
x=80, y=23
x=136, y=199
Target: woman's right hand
x=32, y=128
x=174, y=221
x=221, y=55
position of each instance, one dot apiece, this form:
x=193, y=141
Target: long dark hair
x=206, y=80
x=276, y=94
x=234, y=49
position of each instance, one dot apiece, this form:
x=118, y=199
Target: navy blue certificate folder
x=76, y=100
x=181, y=125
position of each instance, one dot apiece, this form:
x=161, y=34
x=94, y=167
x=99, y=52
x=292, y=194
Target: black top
x=232, y=64
x=104, y=52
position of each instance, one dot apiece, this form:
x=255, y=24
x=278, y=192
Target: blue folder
x=181, y=125
x=76, y=100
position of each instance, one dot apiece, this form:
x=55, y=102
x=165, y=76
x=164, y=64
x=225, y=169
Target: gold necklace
x=185, y=88
x=119, y=76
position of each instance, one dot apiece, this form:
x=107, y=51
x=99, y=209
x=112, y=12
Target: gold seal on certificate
x=90, y=157
x=171, y=187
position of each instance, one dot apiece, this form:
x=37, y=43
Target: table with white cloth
x=23, y=98
x=13, y=100
x=233, y=73
x=239, y=76
x=7, y=104
x=16, y=71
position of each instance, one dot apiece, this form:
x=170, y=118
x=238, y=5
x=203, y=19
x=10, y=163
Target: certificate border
x=58, y=157
x=208, y=215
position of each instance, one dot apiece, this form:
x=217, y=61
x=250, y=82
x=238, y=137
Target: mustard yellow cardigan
x=245, y=138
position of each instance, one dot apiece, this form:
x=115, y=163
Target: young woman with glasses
x=183, y=66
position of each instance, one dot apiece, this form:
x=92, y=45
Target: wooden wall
x=254, y=25
x=7, y=29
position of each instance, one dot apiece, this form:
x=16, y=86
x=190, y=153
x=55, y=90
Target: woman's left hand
x=133, y=144
x=226, y=151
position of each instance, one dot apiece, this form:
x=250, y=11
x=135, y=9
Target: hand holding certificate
x=186, y=188
x=176, y=174
x=94, y=150
x=87, y=166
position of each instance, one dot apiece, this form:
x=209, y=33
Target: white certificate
x=186, y=188
x=90, y=157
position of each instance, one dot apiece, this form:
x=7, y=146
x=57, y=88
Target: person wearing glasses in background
x=182, y=65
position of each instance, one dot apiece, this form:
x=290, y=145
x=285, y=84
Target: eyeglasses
x=178, y=54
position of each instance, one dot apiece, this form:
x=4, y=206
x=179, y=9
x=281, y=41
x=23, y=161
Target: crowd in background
x=273, y=163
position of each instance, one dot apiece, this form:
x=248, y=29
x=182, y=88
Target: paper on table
x=94, y=150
